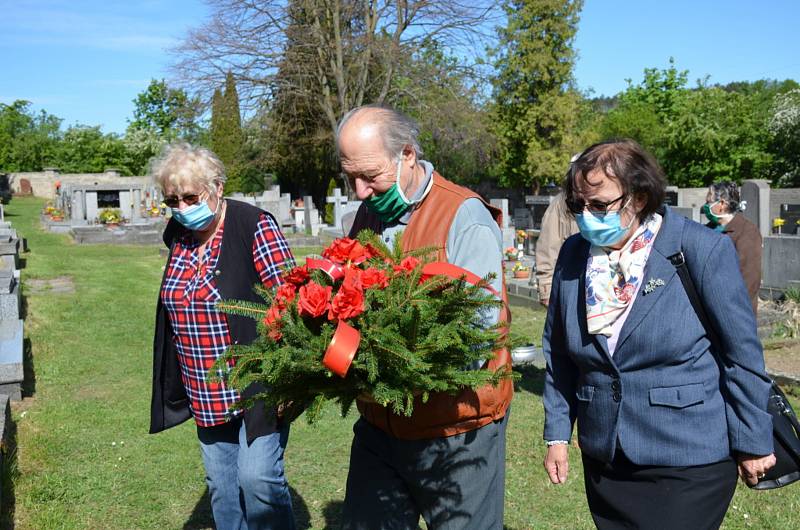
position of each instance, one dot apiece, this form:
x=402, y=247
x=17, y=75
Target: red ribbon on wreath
x=336, y=272
x=342, y=350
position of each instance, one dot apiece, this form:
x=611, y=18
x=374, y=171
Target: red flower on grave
x=349, y=301
x=314, y=299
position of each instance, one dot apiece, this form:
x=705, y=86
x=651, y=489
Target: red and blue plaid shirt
x=200, y=331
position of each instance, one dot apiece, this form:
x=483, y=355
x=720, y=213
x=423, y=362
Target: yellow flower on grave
x=778, y=222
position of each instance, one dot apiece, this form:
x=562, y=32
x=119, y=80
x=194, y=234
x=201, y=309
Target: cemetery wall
x=43, y=183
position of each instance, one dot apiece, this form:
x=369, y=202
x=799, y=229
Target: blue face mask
x=195, y=217
x=602, y=230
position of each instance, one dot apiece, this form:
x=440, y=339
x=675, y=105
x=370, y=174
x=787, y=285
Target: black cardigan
x=235, y=277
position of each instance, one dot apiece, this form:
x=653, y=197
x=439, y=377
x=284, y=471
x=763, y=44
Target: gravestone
x=342, y=208
x=522, y=219
x=538, y=205
x=508, y=231
x=9, y=250
x=790, y=213
x=307, y=219
x=11, y=367
x=756, y=193
x=25, y=187
x=502, y=205
x=9, y=295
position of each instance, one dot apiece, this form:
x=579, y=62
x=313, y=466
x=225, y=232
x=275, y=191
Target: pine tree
x=537, y=106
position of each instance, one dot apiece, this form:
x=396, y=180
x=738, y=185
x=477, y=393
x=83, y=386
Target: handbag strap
x=678, y=260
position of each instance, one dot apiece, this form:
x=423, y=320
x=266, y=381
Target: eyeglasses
x=593, y=207
x=173, y=200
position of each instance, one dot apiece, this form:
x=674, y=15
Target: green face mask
x=711, y=216
x=391, y=204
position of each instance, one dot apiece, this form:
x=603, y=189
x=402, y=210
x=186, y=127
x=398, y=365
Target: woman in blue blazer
x=663, y=422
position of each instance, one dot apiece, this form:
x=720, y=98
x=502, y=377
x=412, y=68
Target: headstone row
x=11, y=350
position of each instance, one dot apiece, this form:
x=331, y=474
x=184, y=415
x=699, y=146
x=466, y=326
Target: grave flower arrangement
x=364, y=321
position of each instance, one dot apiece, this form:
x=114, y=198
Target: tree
x=448, y=103
x=536, y=104
x=784, y=128
x=167, y=111
x=714, y=135
x=27, y=140
x=226, y=132
x=317, y=59
x=85, y=149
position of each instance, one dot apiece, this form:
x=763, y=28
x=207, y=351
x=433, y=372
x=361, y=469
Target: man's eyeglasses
x=173, y=200
x=593, y=207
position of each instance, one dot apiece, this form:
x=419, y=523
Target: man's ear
x=409, y=155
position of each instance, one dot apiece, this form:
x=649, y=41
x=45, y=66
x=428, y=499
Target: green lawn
x=85, y=460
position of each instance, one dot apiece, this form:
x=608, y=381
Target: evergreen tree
x=227, y=138
x=537, y=106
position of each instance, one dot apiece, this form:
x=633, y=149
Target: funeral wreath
x=365, y=321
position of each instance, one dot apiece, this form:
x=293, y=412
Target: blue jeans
x=247, y=484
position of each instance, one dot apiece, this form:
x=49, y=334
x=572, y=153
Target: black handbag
x=785, y=427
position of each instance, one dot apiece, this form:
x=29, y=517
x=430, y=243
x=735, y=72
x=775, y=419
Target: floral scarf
x=613, y=276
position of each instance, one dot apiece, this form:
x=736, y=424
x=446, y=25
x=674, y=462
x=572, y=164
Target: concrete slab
x=11, y=367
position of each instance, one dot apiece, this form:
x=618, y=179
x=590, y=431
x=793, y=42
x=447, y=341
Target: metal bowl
x=525, y=354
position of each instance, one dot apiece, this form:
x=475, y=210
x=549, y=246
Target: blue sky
x=86, y=60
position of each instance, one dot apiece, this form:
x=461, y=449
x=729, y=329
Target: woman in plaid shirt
x=219, y=248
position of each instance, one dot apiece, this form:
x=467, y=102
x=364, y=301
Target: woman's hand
x=752, y=467
x=556, y=463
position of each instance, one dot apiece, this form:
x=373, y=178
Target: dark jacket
x=235, y=277
x=747, y=241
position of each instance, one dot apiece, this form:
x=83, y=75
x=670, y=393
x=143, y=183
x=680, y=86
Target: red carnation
x=407, y=265
x=314, y=299
x=344, y=250
x=349, y=301
x=297, y=276
x=373, y=277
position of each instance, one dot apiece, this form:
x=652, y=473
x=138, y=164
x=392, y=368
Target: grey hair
x=729, y=192
x=396, y=129
x=181, y=164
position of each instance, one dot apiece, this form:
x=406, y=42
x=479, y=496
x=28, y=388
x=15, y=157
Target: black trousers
x=623, y=495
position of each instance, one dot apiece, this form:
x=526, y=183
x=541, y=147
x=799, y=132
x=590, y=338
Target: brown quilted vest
x=443, y=414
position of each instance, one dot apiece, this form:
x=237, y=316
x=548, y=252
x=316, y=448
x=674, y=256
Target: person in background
x=557, y=225
x=723, y=209
x=664, y=421
x=219, y=248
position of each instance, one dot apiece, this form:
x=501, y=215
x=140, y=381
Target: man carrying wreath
x=446, y=462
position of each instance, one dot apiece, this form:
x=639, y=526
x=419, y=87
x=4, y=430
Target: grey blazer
x=663, y=397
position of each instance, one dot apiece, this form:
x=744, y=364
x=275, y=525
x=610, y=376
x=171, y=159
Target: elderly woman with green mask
x=723, y=211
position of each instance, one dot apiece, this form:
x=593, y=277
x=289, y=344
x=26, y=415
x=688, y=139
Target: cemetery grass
x=85, y=459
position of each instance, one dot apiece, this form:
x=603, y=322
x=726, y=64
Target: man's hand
x=556, y=463
x=752, y=467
